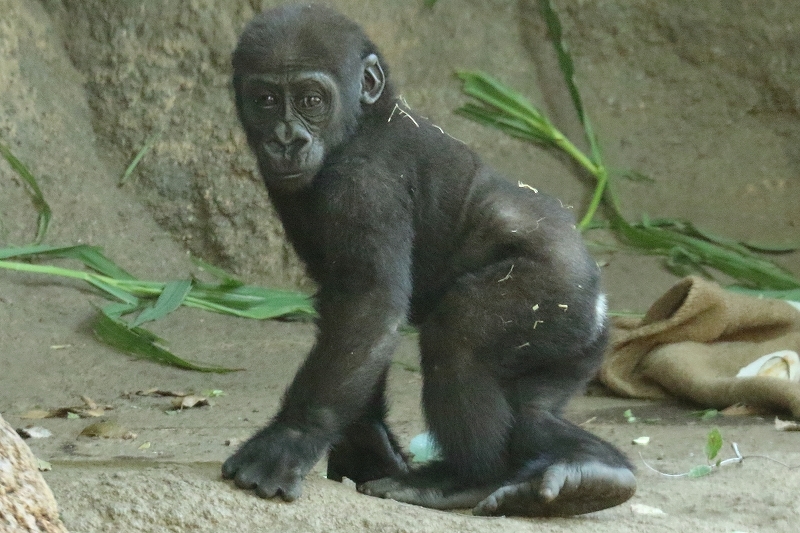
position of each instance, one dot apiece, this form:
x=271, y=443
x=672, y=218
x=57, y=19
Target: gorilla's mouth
x=289, y=177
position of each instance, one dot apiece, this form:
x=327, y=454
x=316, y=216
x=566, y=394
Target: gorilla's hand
x=274, y=462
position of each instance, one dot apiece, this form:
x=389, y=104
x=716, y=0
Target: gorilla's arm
x=362, y=301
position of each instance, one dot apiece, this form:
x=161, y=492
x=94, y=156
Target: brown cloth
x=695, y=339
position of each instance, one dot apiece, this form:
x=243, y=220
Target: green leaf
x=564, y=57
x=706, y=414
x=700, y=471
x=631, y=175
x=170, y=299
x=773, y=248
x=41, y=205
x=790, y=294
x=229, y=279
x=119, y=309
x=121, y=294
x=665, y=236
x=713, y=444
x=140, y=342
x=90, y=256
x=495, y=93
x=508, y=125
x=138, y=157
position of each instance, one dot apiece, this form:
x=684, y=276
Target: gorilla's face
x=292, y=120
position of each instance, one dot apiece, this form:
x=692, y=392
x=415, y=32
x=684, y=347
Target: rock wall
x=703, y=97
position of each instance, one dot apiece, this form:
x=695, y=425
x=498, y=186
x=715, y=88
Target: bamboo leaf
x=138, y=157
x=493, y=92
x=230, y=297
x=772, y=248
x=251, y=302
x=631, y=175
x=118, y=293
x=119, y=309
x=564, y=57
x=687, y=248
x=170, y=299
x=91, y=256
x=749, y=270
x=228, y=279
x=700, y=471
x=41, y=205
x=506, y=124
x=141, y=343
x=713, y=444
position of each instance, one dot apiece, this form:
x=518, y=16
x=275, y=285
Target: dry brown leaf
x=34, y=432
x=36, y=414
x=160, y=392
x=187, y=402
x=642, y=509
x=90, y=410
x=107, y=430
x=82, y=412
x=89, y=402
x=786, y=425
x=739, y=409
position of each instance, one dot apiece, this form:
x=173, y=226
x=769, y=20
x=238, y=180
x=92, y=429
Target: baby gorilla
x=397, y=221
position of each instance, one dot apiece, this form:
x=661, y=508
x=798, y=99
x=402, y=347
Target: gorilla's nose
x=290, y=137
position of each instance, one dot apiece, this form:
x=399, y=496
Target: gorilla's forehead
x=289, y=76
x=298, y=38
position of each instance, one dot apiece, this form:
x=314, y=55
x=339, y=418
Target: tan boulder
x=26, y=503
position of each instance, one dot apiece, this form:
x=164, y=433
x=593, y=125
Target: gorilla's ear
x=373, y=80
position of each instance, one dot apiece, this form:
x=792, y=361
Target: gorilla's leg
x=559, y=468
x=368, y=449
x=568, y=471
x=501, y=355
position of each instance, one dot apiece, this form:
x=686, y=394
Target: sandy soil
x=704, y=99
x=167, y=478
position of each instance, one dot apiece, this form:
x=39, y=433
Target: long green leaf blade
x=140, y=342
x=35, y=192
x=138, y=157
x=251, y=302
x=749, y=270
x=170, y=299
x=564, y=57
x=496, y=94
x=504, y=123
x=118, y=293
x=222, y=275
x=91, y=256
x=118, y=309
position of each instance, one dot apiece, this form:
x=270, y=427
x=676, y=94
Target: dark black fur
x=395, y=220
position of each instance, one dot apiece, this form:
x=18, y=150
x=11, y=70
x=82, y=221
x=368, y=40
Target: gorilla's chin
x=288, y=182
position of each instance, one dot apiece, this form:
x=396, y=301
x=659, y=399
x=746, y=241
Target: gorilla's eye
x=265, y=100
x=310, y=101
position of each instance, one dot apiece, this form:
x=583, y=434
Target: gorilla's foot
x=564, y=489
